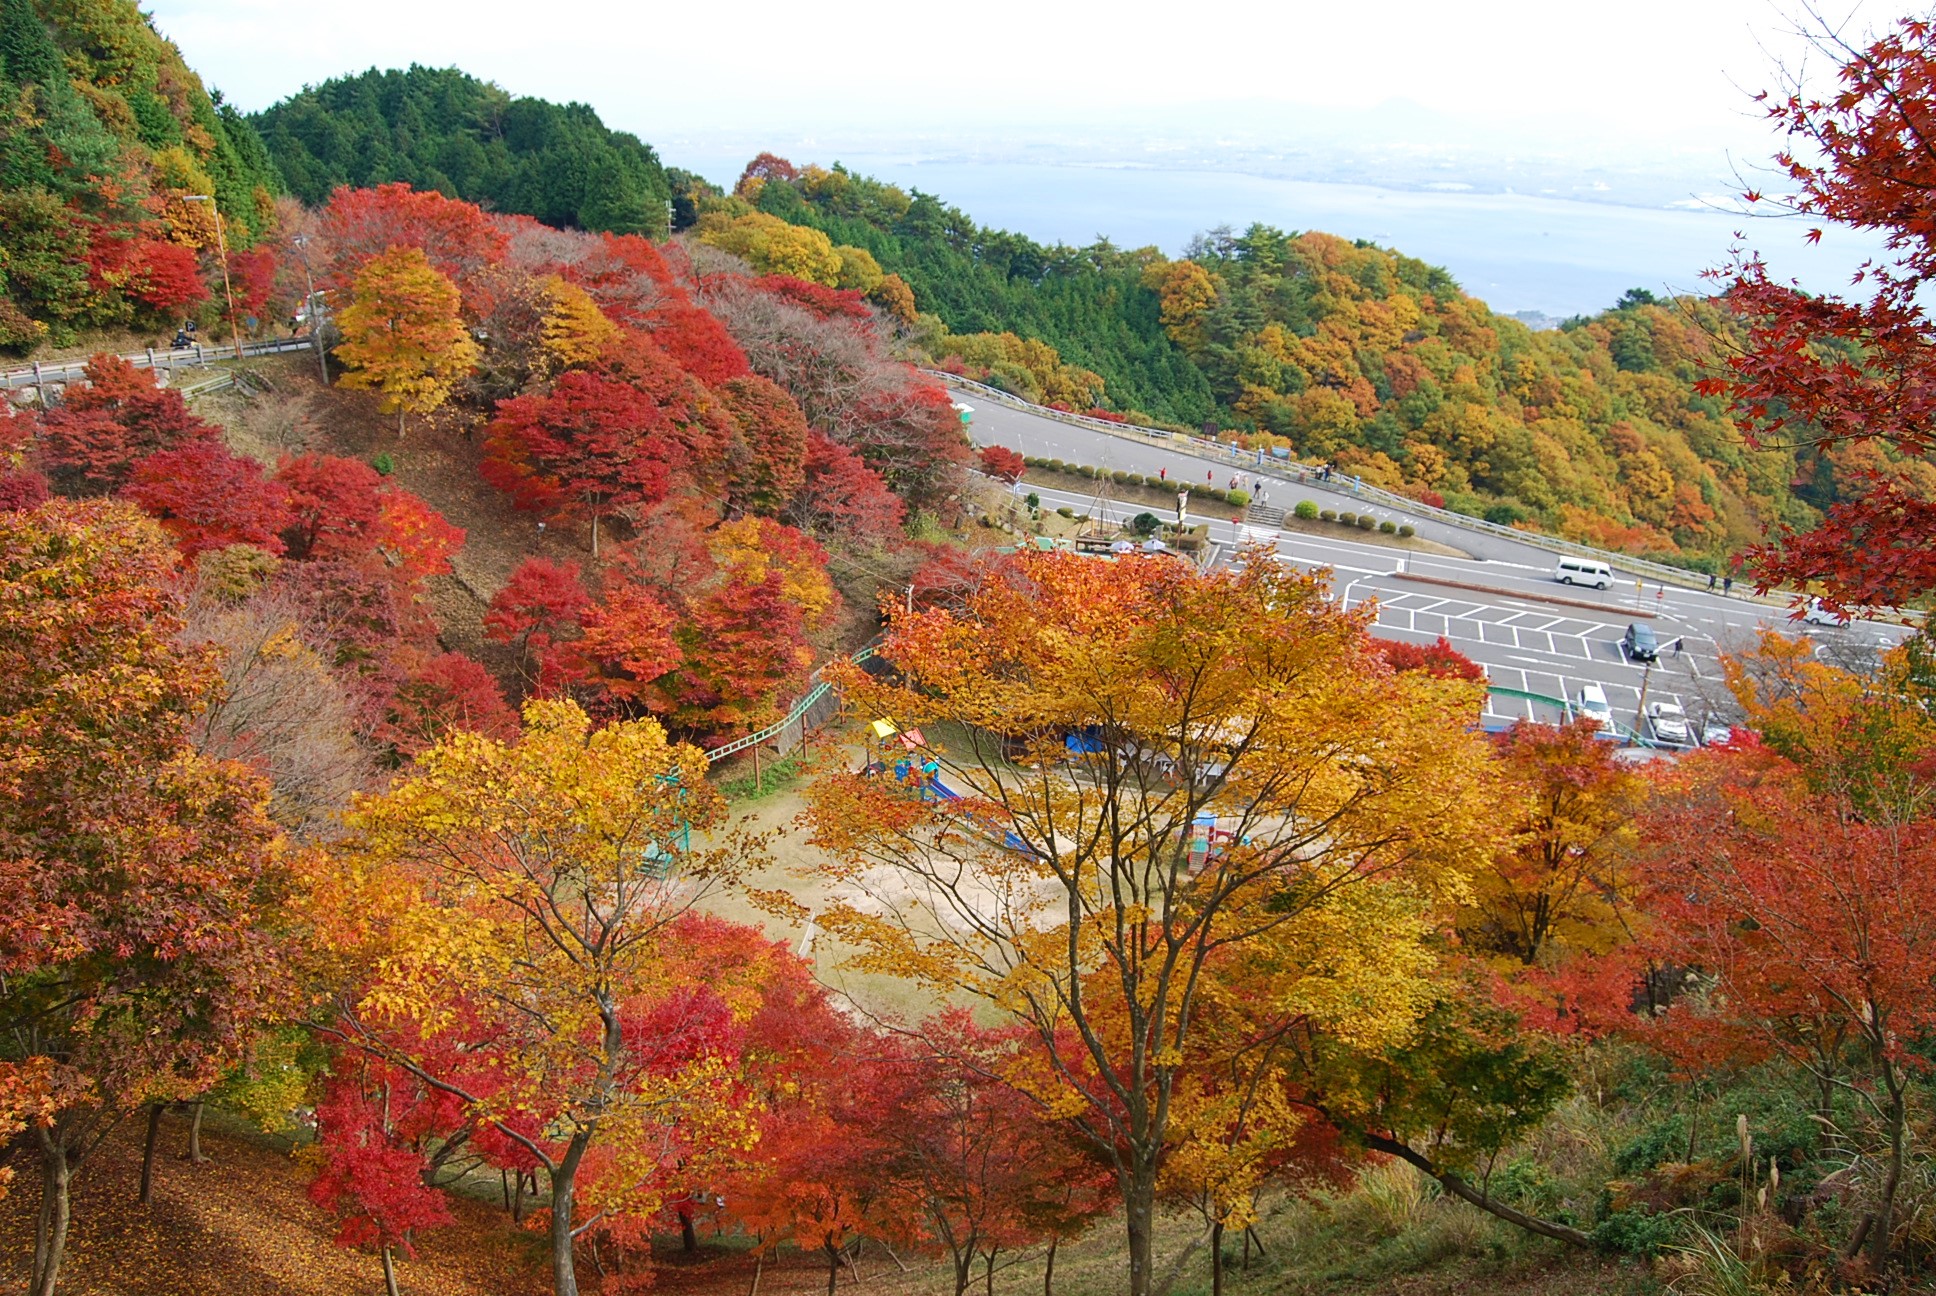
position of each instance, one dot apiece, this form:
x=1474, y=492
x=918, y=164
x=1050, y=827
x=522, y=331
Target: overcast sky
x=1672, y=71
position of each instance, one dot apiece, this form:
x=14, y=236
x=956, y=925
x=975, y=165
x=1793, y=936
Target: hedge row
x=1239, y=498
x=1309, y=511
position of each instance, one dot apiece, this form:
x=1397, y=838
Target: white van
x=1583, y=571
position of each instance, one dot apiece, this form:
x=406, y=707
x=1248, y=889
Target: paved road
x=1514, y=627
x=1033, y=435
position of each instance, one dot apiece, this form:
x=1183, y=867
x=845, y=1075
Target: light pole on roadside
x=222, y=244
x=315, y=305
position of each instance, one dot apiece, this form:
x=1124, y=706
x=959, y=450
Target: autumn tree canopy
x=1250, y=784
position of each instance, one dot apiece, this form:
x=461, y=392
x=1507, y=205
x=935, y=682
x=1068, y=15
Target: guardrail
x=1281, y=470
x=794, y=716
x=190, y=357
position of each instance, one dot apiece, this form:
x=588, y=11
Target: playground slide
x=942, y=790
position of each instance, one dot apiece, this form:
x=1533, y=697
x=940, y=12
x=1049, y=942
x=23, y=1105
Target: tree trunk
x=1139, y=1218
x=517, y=1200
x=50, y=1227
x=1465, y=1192
x=964, y=1266
x=389, y=1273
x=988, y=1273
x=1216, y=1259
x=1048, y=1270
x=148, y=1152
x=195, y=1156
x=1885, y=1213
x=833, y=1266
x=688, y=1236
x=759, y=1263
x=594, y=537
x=564, y=1178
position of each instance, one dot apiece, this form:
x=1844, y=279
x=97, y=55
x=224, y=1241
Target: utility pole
x=222, y=243
x=1641, y=709
x=315, y=305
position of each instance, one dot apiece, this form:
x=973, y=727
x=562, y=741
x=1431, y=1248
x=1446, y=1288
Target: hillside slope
x=104, y=133
x=1342, y=351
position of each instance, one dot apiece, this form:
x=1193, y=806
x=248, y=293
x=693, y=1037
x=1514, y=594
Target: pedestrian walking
x=1710, y=582
x=1162, y=474
x=1727, y=586
x=1677, y=646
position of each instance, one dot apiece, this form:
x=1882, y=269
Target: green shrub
x=1348, y=519
x=1146, y=524
x=1327, y=515
x=1634, y=1232
x=1065, y=511
x=1034, y=502
x=1034, y=461
x=1056, y=465
x=1118, y=476
x=1087, y=471
x=1366, y=522
x=1388, y=527
x=383, y=463
x=1406, y=531
x=1306, y=509
x=1134, y=479
x=1240, y=498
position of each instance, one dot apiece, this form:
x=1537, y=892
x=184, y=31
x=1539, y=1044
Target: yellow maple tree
x=574, y=331
x=507, y=914
x=403, y=337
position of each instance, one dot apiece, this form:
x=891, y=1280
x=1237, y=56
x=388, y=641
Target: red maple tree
x=362, y=224
x=768, y=456
x=1821, y=370
x=1814, y=921
x=540, y=611
x=111, y=422
x=841, y=496
x=1001, y=463
x=207, y=497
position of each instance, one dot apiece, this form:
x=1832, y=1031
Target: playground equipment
x=924, y=776
x=657, y=859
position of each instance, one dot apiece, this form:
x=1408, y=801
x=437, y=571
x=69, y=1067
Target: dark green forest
x=441, y=129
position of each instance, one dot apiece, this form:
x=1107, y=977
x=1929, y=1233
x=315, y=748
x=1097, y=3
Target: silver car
x=1668, y=723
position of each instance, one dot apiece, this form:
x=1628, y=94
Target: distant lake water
x=1514, y=251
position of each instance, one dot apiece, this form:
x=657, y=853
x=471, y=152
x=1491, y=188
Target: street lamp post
x=222, y=244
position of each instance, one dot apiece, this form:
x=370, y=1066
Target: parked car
x=1592, y=703
x=1715, y=730
x=1668, y=722
x=1818, y=614
x=1640, y=643
x=1583, y=571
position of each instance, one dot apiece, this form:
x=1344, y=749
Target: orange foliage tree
x=1255, y=784
x=402, y=336
x=136, y=956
